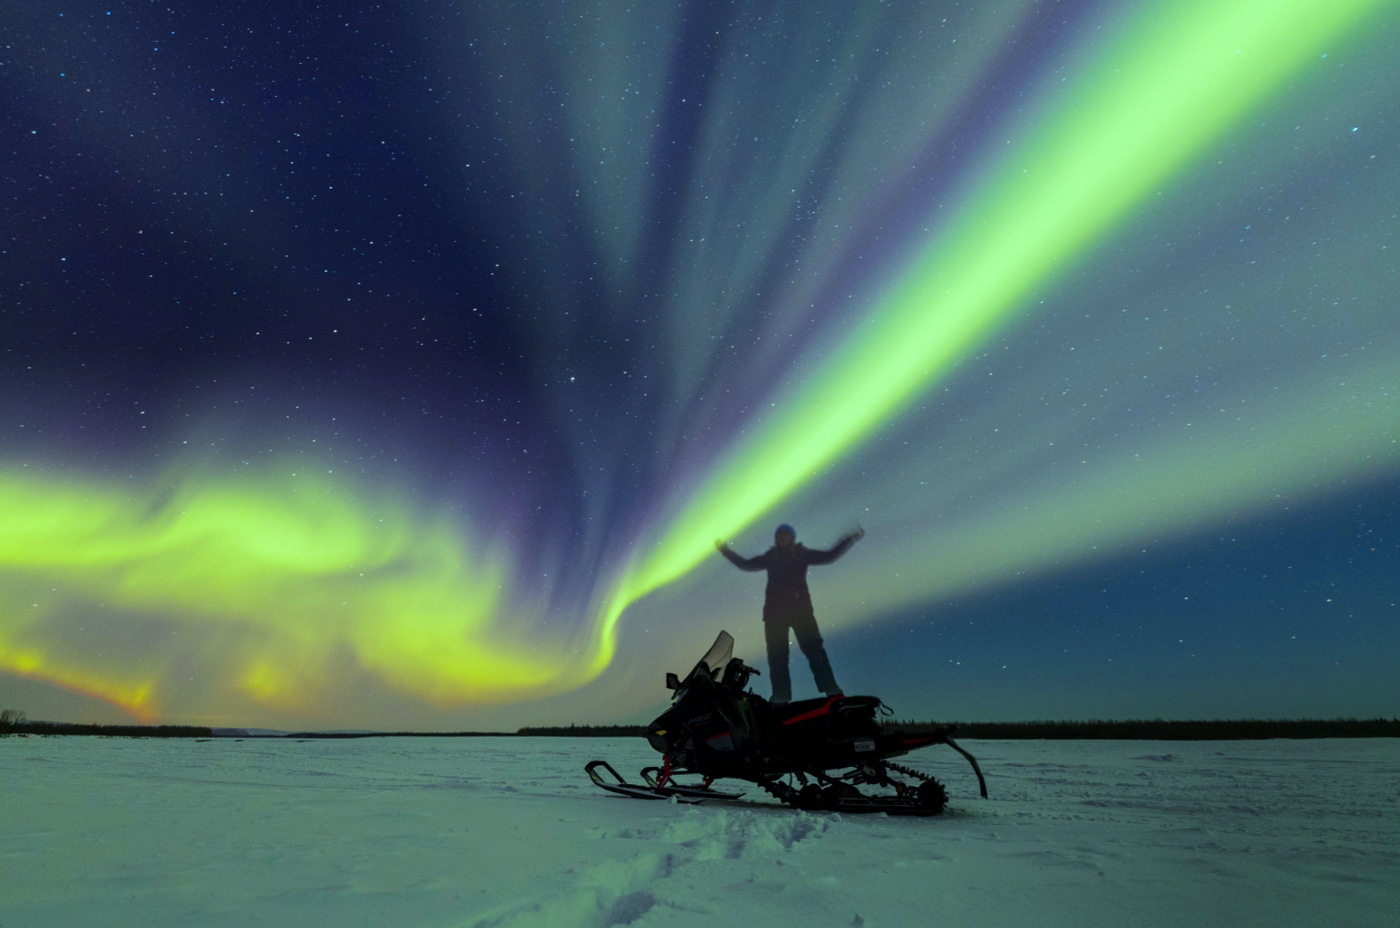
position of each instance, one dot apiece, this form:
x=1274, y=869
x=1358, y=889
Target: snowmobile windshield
x=717, y=658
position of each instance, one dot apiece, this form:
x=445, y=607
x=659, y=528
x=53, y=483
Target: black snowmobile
x=811, y=754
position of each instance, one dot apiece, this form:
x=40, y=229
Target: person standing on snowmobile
x=788, y=604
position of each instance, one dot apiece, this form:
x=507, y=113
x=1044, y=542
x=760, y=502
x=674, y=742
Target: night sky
x=396, y=365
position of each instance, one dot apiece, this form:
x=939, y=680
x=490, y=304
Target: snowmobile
x=812, y=754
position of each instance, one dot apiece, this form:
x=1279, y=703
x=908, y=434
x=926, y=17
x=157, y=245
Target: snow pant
x=775, y=631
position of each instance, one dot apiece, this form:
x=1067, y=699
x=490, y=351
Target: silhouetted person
x=788, y=604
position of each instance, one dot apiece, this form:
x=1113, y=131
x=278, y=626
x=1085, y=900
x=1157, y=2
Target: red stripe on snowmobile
x=814, y=713
x=925, y=740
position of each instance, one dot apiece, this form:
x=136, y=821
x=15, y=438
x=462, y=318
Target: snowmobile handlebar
x=736, y=674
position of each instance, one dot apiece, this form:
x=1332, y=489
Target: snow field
x=508, y=832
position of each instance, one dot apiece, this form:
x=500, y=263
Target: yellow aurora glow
x=288, y=571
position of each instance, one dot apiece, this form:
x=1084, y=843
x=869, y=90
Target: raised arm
x=743, y=563
x=842, y=546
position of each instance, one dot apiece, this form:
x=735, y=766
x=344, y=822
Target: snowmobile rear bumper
x=939, y=736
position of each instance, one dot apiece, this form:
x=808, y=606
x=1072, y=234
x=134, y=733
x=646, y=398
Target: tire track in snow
x=698, y=852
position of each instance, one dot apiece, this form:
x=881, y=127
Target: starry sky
x=396, y=365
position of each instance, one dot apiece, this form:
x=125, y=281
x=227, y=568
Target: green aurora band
x=298, y=584
x=1178, y=77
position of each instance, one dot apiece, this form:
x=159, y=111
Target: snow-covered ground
x=508, y=832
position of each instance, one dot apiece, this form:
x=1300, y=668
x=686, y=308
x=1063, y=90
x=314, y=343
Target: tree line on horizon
x=1127, y=730
x=1164, y=730
x=14, y=722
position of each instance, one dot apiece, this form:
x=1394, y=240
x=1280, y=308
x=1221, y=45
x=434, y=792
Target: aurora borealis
x=398, y=367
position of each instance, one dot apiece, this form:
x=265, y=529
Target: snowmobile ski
x=634, y=790
x=681, y=789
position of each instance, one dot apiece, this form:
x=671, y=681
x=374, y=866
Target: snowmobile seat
x=807, y=709
x=803, y=709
